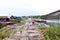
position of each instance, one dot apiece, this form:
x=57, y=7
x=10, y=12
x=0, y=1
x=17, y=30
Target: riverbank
x=25, y=32
x=39, y=31
x=50, y=33
x=7, y=30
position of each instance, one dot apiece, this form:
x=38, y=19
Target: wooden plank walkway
x=25, y=32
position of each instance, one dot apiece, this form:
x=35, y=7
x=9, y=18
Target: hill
x=53, y=15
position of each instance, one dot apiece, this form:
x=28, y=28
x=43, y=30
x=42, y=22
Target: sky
x=28, y=7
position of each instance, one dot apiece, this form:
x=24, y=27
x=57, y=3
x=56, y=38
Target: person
x=33, y=20
x=29, y=22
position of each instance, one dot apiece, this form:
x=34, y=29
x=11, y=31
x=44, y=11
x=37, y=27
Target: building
x=4, y=18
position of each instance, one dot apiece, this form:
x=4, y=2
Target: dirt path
x=25, y=32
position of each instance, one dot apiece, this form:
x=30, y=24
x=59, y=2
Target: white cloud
x=45, y=6
x=39, y=7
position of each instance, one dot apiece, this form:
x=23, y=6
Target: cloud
x=28, y=7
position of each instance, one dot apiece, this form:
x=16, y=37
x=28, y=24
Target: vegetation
x=20, y=23
x=4, y=32
x=50, y=33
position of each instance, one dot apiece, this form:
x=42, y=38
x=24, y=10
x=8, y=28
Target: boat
x=40, y=20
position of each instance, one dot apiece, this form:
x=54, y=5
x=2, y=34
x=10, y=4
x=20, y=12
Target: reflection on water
x=53, y=22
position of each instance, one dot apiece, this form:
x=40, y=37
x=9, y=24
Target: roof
x=3, y=17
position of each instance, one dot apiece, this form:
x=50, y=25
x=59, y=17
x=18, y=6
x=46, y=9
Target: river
x=53, y=22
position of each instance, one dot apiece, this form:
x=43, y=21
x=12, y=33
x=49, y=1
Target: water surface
x=53, y=22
